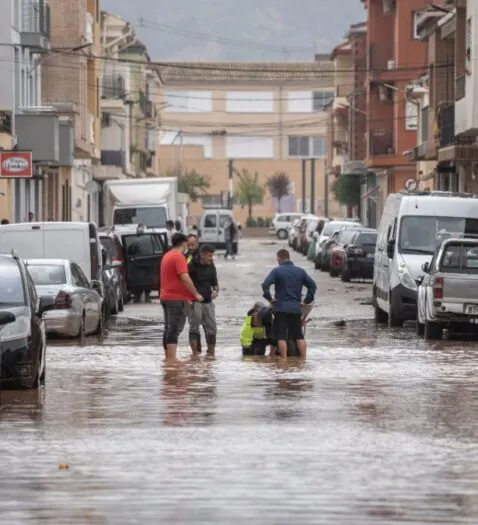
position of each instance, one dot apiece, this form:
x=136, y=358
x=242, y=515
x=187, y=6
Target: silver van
x=211, y=228
x=412, y=226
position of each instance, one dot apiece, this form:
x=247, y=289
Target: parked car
x=110, y=286
x=447, y=294
x=281, y=222
x=293, y=231
x=78, y=306
x=22, y=328
x=308, y=233
x=115, y=254
x=327, y=249
x=331, y=227
x=354, y=254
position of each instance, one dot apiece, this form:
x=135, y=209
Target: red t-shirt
x=172, y=288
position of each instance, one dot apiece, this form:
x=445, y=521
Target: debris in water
x=341, y=323
x=63, y=466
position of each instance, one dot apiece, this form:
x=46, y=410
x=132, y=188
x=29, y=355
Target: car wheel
x=432, y=331
x=333, y=272
x=381, y=317
x=43, y=373
x=82, y=329
x=101, y=324
x=393, y=320
x=345, y=276
x=115, y=308
x=282, y=235
x=420, y=327
x=121, y=303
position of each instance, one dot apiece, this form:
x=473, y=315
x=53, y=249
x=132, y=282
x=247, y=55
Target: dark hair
x=178, y=238
x=283, y=254
x=177, y=225
x=192, y=235
x=207, y=248
x=170, y=223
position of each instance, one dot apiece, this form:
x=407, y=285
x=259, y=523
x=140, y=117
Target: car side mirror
x=419, y=280
x=426, y=267
x=7, y=318
x=47, y=302
x=97, y=286
x=390, y=248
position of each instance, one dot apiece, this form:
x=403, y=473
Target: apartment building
x=265, y=117
x=25, y=124
x=71, y=83
x=395, y=55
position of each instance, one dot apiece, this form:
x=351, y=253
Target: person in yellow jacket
x=255, y=331
x=193, y=247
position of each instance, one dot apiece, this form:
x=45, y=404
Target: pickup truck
x=448, y=290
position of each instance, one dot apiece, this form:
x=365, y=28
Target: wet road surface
x=376, y=427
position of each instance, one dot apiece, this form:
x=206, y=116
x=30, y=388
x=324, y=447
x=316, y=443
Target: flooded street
x=375, y=428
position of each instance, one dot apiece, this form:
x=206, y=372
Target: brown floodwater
x=375, y=428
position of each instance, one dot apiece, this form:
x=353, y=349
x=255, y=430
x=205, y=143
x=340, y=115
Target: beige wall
x=217, y=171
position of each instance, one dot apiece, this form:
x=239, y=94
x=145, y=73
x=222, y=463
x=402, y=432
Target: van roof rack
x=437, y=193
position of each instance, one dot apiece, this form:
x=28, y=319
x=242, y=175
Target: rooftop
x=245, y=71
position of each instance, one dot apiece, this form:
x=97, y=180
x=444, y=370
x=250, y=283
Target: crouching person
x=204, y=277
x=255, y=331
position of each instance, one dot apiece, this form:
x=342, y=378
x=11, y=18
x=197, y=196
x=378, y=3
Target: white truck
x=150, y=202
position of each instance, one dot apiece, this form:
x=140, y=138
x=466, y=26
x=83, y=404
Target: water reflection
x=22, y=404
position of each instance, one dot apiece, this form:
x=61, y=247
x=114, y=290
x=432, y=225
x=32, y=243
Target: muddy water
x=376, y=428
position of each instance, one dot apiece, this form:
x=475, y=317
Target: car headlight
x=406, y=277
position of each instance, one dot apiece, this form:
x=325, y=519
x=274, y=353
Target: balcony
x=113, y=158
x=114, y=86
x=446, y=126
x=36, y=29
x=380, y=143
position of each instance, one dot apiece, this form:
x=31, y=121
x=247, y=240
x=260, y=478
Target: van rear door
x=458, y=277
x=143, y=255
x=209, y=233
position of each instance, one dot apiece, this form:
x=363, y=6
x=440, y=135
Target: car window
x=460, y=258
x=210, y=221
x=346, y=236
x=12, y=291
x=282, y=218
x=78, y=277
x=157, y=246
x=45, y=274
x=141, y=245
x=366, y=239
x=110, y=246
x=32, y=292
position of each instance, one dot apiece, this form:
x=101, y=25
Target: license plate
x=370, y=255
x=473, y=310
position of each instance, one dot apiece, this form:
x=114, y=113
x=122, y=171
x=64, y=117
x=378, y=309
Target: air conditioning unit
x=385, y=93
x=391, y=65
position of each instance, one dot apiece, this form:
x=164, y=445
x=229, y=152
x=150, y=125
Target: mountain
x=243, y=30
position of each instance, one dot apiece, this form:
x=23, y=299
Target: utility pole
x=312, y=186
x=231, y=173
x=304, y=175
x=326, y=191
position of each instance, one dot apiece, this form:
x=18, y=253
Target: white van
x=211, y=227
x=411, y=228
x=77, y=241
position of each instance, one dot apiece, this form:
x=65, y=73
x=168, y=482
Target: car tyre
x=82, y=330
x=115, y=308
x=101, y=324
x=43, y=374
x=121, y=303
x=333, y=272
x=345, y=276
x=432, y=331
x=381, y=317
x=282, y=235
x=393, y=320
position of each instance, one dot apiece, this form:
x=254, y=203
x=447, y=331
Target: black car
x=359, y=257
x=22, y=329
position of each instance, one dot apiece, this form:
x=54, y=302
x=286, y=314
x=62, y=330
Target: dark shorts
x=175, y=314
x=258, y=347
x=287, y=327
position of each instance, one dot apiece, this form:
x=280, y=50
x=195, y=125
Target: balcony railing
x=380, y=142
x=447, y=125
x=114, y=86
x=460, y=84
x=36, y=25
x=113, y=158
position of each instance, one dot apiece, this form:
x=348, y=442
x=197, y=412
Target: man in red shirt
x=176, y=293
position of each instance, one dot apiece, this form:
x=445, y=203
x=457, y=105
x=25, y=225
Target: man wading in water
x=288, y=281
x=176, y=293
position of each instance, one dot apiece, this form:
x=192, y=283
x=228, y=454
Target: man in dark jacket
x=288, y=281
x=204, y=276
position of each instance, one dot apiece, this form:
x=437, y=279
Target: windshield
x=312, y=225
x=367, y=239
x=460, y=258
x=11, y=286
x=152, y=217
x=332, y=226
x=43, y=274
x=422, y=234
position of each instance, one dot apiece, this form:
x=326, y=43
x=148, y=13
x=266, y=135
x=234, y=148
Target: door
x=224, y=218
x=143, y=254
x=210, y=228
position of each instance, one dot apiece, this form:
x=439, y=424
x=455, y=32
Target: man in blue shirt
x=288, y=281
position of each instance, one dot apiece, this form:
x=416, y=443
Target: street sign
x=16, y=164
x=411, y=184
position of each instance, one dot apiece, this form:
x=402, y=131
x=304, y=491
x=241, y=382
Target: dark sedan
x=358, y=256
x=22, y=330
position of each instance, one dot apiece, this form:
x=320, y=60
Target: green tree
x=347, y=191
x=248, y=191
x=279, y=187
x=191, y=182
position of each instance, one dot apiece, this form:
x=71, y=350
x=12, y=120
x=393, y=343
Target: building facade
x=266, y=116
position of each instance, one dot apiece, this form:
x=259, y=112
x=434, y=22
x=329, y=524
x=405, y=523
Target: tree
x=249, y=191
x=192, y=182
x=347, y=191
x=279, y=187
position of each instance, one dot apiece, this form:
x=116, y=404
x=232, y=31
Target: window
x=424, y=125
x=250, y=102
x=79, y=278
x=460, y=257
x=210, y=221
x=315, y=147
x=248, y=147
x=215, y=201
x=151, y=217
x=411, y=116
x=182, y=101
x=11, y=285
x=47, y=274
x=176, y=138
x=223, y=219
x=300, y=101
x=321, y=99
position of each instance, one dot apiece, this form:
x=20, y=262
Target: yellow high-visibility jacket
x=249, y=332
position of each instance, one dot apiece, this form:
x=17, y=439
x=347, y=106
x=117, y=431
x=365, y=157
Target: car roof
x=367, y=230
x=7, y=258
x=47, y=262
